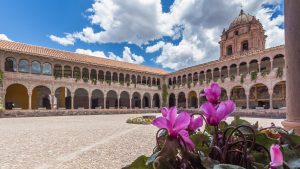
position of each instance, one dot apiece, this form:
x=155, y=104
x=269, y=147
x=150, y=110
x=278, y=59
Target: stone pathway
x=77, y=142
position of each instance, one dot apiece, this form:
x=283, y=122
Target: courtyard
x=73, y=142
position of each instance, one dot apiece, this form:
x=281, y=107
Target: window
x=245, y=46
x=35, y=67
x=47, y=69
x=236, y=32
x=10, y=64
x=229, y=50
x=23, y=66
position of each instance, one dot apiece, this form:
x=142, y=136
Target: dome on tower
x=243, y=18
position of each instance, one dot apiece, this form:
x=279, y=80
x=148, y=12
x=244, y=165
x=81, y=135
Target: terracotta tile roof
x=76, y=57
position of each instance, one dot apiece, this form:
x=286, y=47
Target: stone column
x=271, y=67
x=52, y=102
x=292, y=52
x=90, y=101
x=72, y=98
x=186, y=103
x=238, y=70
x=119, y=102
x=247, y=100
x=271, y=99
x=130, y=102
x=104, y=102
x=258, y=66
x=29, y=101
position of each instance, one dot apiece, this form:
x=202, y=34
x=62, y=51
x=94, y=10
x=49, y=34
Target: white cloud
x=65, y=41
x=156, y=47
x=4, y=37
x=127, y=56
x=197, y=24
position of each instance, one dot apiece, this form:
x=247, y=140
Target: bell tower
x=244, y=34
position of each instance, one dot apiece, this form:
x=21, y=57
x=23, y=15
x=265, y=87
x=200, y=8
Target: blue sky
x=166, y=34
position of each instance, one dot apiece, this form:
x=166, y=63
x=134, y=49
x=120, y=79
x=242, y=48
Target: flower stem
x=216, y=136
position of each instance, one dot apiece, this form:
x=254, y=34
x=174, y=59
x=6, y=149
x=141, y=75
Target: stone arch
x=224, y=72
x=192, y=99
x=201, y=77
x=184, y=80
x=195, y=77
x=208, y=75
x=265, y=65
x=108, y=76
x=172, y=100
x=182, y=100
x=36, y=67
x=202, y=99
x=146, y=100
x=278, y=61
x=41, y=97
x=124, y=100
x=63, y=98
x=259, y=96
x=139, y=80
x=111, y=99
x=115, y=77
x=23, y=66
x=97, y=100
x=156, y=101
x=93, y=74
x=179, y=80
x=133, y=79
x=67, y=71
x=76, y=73
x=233, y=70
x=136, y=100
x=238, y=95
x=81, y=99
x=253, y=66
x=85, y=74
x=47, y=69
x=121, y=78
x=10, y=64
x=216, y=73
x=57, y=72
x=169, y=81
x=243, y=69
x=101, y=75
x=279, y=95
x=224, y=95
x=16, y=97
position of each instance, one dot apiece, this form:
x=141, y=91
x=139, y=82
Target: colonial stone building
x=38, y=78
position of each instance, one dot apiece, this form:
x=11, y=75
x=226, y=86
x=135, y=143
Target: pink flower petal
x=182, y=122
x=195, y=123
x=164, y=111
x=276, y=156
x=172, y=115
x=208, y=109
x=216, y=89
x=160, y=122
x=186, y=138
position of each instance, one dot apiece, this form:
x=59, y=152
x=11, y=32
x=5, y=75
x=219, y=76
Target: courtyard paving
x=77, y=142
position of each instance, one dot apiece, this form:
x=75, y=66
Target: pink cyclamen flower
x=276, y=156
x=175, y=125
x=212, y=93
x=215, y=114
x=195, y=123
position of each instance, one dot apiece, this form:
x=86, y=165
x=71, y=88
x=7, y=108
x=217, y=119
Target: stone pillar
x=53, y=101
x=90, y=101
x=258, y=66
x=104, y=102
x=29, y=101
x=271, y=67
x=72, y=98
x=238, y=70
x=271, y=99
x=119, y=102
x=130, y=102
x=186, y=103
x=292, y=51
x=247, y=101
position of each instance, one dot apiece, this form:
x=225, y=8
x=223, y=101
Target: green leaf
x=201, y=142
x=291, y=156
x=227, y=166
x=264, y=140
x=238, y=121
x=139, y=163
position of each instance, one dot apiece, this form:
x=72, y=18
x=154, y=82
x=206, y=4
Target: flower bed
x=238, y=145
x=141, y=120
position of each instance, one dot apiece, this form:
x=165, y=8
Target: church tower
x=244, y=34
